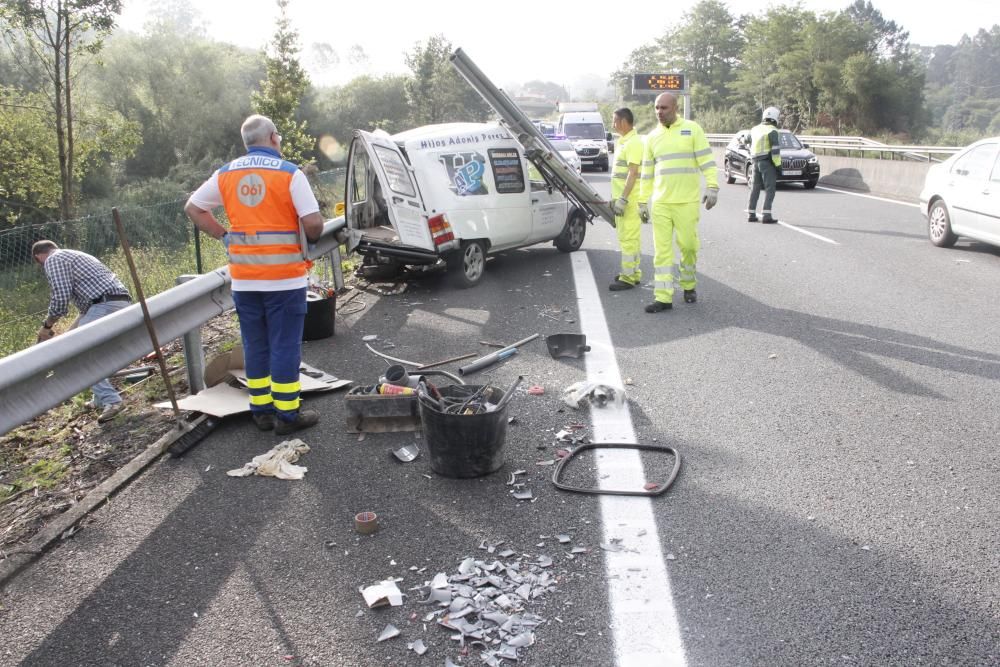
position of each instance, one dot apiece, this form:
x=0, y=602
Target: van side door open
x=382, y=200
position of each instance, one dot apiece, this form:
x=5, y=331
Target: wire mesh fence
x=163, y=242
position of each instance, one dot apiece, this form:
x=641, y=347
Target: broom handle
x=145, y=311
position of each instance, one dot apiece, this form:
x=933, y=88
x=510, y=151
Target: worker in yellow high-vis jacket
x=624, y=184
x=675, y=158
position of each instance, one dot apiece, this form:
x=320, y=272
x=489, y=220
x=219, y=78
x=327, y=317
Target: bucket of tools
x=465, y=427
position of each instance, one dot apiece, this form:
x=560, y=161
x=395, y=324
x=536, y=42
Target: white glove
x=618, y=205
x=710, y=199
x=644, y=212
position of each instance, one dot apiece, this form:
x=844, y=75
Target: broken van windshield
x=584, y=131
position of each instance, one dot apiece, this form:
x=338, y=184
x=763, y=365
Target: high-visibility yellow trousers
x=670, y=220
x=628, y=226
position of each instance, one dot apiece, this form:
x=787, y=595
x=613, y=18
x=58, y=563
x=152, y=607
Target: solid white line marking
x=807, y=233
x=643, y=618
x=858, y=194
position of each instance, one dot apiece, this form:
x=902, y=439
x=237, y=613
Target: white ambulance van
x=455, y=193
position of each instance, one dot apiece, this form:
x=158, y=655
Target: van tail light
x=440, y=230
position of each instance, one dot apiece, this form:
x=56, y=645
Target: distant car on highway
x=798, y=163
x=961, y=196
x=565, y=148
x=547, y=128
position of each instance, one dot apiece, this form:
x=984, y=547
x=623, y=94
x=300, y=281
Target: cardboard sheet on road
x=222, y=400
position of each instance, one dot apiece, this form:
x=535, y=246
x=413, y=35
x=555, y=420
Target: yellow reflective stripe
x=286, y=387
x=260, y=400
x=290, y=258
x=259, y=383
x=661, y=284
x=620, y=177
x=664, y=269
x=704, y=151
x=287, y=406
x=708, y=165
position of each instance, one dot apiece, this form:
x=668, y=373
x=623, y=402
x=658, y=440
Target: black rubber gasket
x=618, y=492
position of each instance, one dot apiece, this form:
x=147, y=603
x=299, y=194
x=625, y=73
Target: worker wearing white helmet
x=765, y=152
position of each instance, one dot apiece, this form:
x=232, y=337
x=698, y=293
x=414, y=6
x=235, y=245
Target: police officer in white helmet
x=765, y=152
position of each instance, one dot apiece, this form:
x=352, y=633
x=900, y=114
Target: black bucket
x=464, y=445
x=320, y=311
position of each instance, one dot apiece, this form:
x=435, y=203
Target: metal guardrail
x=41, y=377
x=860, y=145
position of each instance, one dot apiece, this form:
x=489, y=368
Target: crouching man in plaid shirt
x=95, y=290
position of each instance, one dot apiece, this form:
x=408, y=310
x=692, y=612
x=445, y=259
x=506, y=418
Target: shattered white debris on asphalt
x=382, y=594
x=486, y=605
x=389, y=632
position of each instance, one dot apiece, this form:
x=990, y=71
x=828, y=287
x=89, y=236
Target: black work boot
x=619, y=285
x=263, y=420
x=690, y=296
x=303, y=419
x=752, y=217
x=658, y=306
x=768, y=220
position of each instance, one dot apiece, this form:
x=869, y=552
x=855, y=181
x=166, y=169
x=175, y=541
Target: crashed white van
x=456, y=193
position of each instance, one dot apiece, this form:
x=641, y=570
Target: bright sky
x=515, y=41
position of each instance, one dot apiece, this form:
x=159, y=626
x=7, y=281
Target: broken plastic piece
x=564, y=462
x=382, y=594
x=599, y=394
x=417, y=647
x=406, y=453
x=567, y=345
x=523, y=494
x=389, y=632
x=536, y=390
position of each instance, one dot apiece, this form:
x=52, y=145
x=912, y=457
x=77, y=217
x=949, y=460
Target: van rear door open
x=392, y=191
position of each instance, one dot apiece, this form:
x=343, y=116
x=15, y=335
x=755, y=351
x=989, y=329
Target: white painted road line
x=643, y=618
x=858, y=194
x=807, y=233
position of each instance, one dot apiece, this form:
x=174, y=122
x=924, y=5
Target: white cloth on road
x=278, y=462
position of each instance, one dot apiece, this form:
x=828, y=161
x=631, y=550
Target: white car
x=565, y=148
x=592, y=153
x=961, y=196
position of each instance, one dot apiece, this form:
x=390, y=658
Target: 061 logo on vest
x=250, y=190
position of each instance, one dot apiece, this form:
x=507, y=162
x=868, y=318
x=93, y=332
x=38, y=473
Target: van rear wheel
x=572, y=235
x=468, y=265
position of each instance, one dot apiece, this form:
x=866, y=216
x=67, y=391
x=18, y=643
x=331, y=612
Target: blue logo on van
x=465, y=171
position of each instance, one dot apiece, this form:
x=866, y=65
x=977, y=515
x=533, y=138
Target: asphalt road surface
x=833, y=398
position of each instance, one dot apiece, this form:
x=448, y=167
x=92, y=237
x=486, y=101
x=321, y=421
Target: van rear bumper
x=408, y=254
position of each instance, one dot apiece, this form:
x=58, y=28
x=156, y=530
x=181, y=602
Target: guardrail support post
x=194, y=352
x=338, y=270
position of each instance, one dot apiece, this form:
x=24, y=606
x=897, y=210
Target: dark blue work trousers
x=271, y=328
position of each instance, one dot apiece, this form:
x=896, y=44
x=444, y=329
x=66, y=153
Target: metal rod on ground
x=398, y=361
x=447, y=361
x=145, y=312
x=132, y=371
x=494, y=357
x=508, y=394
